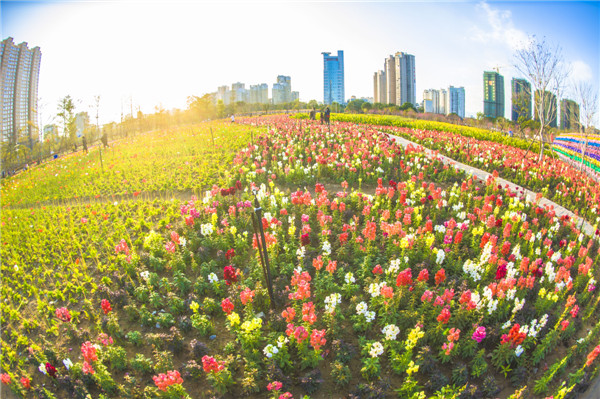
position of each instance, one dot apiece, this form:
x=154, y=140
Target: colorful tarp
x=573, y=145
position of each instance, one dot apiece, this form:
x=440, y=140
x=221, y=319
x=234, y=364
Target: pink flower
x=5, y=378
x=479, y=334
x=170, y=247
x=63, y=314
x=87, y=368
x=274, y=386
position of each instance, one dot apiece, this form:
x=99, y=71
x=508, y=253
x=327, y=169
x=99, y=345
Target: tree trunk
x=541, y=133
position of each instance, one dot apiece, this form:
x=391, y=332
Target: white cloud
x=498, y=27
x=580, y=71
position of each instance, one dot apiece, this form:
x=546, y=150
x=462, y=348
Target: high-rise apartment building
x=223, y=94
x=550, y=107
x=390, y=83
x=493, y=94
x=282, y=90
x=521, y=99
x=569, y=115
x=239, y=92
x=406, y=88
x=333, y=78
x=20, y=70
x=379, y=87
x=259, y=94
x=456, y=101
x=432, y=97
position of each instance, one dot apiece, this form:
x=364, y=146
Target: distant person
x=232, y=118
x=321, y=117
x=75, y=146
x=312, y=114
x=84, y=144
x=104, y=140
x=327, y=115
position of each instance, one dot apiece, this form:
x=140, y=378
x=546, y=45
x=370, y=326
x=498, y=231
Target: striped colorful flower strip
x=572, y=145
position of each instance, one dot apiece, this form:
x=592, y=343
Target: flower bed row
x=557, y=180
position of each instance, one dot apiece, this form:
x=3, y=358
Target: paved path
x=483, y=175
x=594, y=391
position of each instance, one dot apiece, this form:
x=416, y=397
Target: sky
x=144, y=54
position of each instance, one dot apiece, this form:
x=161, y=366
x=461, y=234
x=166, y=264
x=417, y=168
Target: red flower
x=26, y=382
x=230, y=275
x=501, y=271
x=51, y=370
x=210, y=365
x=227, y=305
x=105, y=306
x=440, y=276
x=163, y=381
x=404, y=277
x=444, y=316
x=230, y=254
x=423, y=275
x=305, y=239
x=377, y=270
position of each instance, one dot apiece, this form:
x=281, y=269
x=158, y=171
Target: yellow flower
x=412, y=368
x=194, y=306
x=234, y=319
x=233, y=230
x=542, y=293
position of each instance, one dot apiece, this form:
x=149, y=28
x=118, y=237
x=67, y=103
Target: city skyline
x=122, y=64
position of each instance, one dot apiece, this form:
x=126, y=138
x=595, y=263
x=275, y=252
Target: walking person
x=84, y=144
x=327, y=115
x=104, y=140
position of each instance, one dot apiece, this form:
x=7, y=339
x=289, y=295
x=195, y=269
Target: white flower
x=349, y=278
x=300, y=252
x=374, y=289
x=326, y=248
x=182, y=241
x=441, y=254
x=506, y=325
x=376, y=349
x=390, y=331
x=42, y=368
x=281, y=341
x=213, y=278
x=369, y=316
x=332, y=301
x=206, y=229
x=270, y=350
x=361, y=308
x=518, y=350
x=145, y=275
x=394, y=267
x=16, y=268
x=68, y=363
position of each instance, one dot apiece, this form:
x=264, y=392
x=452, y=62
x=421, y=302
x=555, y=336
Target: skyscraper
x=259, y=94
x=379, y=88
x=390, y=76
x=333, y=78
x=550, y=107
x=406, y=89
x=432, y=97
x=521, y=99
x=493, y=94
x=569, y=115
x=456, y=101
x=18, y=92
x=282, y=90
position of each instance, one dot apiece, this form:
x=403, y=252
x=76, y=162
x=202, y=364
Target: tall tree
x=588, y=108
x=543, y=65
x=66, y=112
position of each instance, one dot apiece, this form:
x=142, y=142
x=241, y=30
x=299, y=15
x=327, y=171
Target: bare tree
x=543, y=65
x=588, y=108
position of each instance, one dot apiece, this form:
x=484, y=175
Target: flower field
x=572, y=145
x=393, y=275
x=558, y=181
